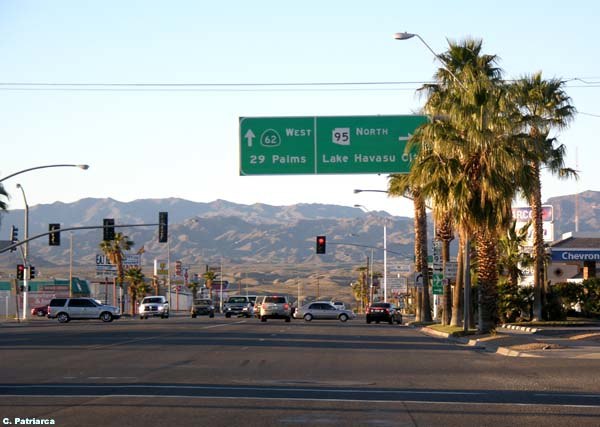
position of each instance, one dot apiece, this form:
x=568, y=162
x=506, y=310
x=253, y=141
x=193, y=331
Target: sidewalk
x=557, y=342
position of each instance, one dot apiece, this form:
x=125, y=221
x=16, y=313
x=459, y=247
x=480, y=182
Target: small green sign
x=438, y=284
x=326, y=145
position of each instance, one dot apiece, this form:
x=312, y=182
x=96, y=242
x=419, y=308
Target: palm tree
x=3, y=195
x=193, y=286
x=543, y=106
x=511, y=257
x=359, y=289
x=113, y=249
x=209, y=277
x=400, y=186
x=470, y=159
x=137, y=285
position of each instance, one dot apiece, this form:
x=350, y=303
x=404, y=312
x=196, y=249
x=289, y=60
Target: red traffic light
x=20, y=271
x=321, y=244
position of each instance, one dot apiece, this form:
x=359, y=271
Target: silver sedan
x=322, y=310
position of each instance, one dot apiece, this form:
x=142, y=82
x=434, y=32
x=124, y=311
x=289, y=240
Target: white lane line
x=224, y=324
x=297, y=399
x=97, y=347
x=233, y=388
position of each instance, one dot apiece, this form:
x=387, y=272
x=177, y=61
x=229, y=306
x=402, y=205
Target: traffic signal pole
x=27, y=239
x=90, y=227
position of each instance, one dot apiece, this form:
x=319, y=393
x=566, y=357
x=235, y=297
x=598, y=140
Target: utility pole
x=25, y=254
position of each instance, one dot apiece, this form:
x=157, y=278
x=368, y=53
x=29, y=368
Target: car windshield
x=202, y=302
x=152, y=300
x=237, y=299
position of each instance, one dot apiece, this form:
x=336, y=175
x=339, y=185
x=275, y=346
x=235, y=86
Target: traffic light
x=109, y=228
x=54, y=236
x=20, y=271
x=321, y=241
x=163, y=227
x=14, y=236
x=31, y=272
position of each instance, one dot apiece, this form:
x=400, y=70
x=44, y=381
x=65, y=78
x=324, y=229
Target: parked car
x=65, y=309
x=238, y=305
x=383, y=312
x=154, y=306
x=275, y=307
x=322, y=310
x=40, y=311
x=202, y=307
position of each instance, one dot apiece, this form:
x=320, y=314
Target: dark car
x=41, y=311
x=383, y=312
x=239, y=305
x=202, y=307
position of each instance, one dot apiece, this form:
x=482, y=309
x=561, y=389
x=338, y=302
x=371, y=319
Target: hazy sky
x=183, y=141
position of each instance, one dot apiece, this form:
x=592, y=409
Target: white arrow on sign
x=404, y=138
x=249, y=136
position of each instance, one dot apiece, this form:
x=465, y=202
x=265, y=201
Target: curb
x=476, y=343
x=520, y=328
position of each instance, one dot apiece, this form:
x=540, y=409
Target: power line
x=588, y=81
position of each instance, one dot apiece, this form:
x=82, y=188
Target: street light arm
x=84, y=167
x=406, y=36
x=24, y=197
x=356, y=191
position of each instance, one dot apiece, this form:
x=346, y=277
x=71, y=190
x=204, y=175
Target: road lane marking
x=101, y=346
x=297, y=399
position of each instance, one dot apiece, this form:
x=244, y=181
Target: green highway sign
x=326, y=145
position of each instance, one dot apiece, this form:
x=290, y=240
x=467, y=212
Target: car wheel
x=40, y=313
x=141, y=317
x=228, y=315
x=165, y=316
x=63, y=317
x=263, y=319
x=377, y=321
x=211, y=315
x=106, y=317
x=343, y=318
x=194, y=316
x=369, y=321
x=288, y=319
x=308, y=317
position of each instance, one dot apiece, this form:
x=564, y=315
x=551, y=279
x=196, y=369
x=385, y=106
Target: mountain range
x=208, y=233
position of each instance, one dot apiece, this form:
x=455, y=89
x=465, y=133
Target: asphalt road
x=196, y=372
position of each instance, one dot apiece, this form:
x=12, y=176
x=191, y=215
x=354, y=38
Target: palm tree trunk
x=445, y=233
x=538, y=244
x=421, y=254
x=487, y=280
x=457, y=296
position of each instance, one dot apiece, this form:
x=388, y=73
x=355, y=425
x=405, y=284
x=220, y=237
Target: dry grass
x=536, y=346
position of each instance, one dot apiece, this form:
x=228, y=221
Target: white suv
x=275, y=307
x=65, y=309
x=154, y=306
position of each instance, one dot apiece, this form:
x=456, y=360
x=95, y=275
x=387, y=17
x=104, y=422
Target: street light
x=384, y=252
x=406, y=36
x=25, y=253
x=84, y=167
